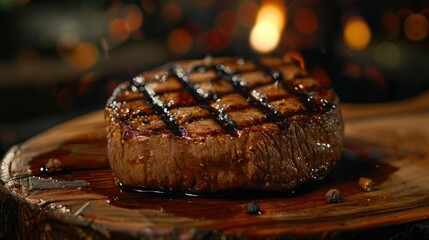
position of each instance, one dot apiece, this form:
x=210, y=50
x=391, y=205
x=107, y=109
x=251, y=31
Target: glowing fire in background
x=416, y=27
x=357, y=34
x=51, y=50
x=267, y=31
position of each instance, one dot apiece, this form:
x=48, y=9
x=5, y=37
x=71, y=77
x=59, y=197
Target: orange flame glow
x=84, y=56
x=357, y=34
x=416, y=27
x=270, y=21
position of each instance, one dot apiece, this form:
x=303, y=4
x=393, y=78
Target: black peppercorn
x=333, y=196
x=253, y=208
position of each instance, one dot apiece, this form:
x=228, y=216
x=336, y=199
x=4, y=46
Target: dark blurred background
x=61, y=59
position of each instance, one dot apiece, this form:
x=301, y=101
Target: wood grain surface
x=79, y=199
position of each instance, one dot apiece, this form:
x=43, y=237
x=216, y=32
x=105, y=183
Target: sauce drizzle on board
x=355, y=163
x=390, y=149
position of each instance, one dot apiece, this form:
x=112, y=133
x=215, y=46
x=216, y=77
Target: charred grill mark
x=220, y=116
x=271, y=113
x=160, y=107
x=305, y=97
x=314, y=98
x=230, y=111
x=320, y=104
x=275, y=75
x=199, y=68
x=311, y=98
x=195, y=119
x=183, y=77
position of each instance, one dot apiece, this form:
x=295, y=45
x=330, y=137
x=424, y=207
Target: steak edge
x=221, y=124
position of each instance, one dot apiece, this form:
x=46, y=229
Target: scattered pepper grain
x=333, y=196
x=366, y=184
x=253, y=208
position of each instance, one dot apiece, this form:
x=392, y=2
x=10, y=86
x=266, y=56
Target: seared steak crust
x=221, y=124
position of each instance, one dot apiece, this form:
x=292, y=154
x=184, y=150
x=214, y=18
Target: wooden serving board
x=386, y=142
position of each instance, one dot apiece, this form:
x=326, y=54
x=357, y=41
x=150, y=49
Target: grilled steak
x=222, y=124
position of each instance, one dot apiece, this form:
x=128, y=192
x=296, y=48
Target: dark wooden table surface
x=78, y=199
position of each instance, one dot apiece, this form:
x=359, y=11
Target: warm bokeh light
x=306, y=20
x=179, y=41
x=270, y=21
x=416, y=27
x=66, y=44
x=84, y=56
x=391, y=24
x=118, y=30
x=272, y=12
x=133, y=17
x=356, y=33
x=264, y=37
x=216, y=39
x=247, y=13
x=227, y=21
x=171, y=13
x=21, y=3
x=148, y=6
x=387, y=55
